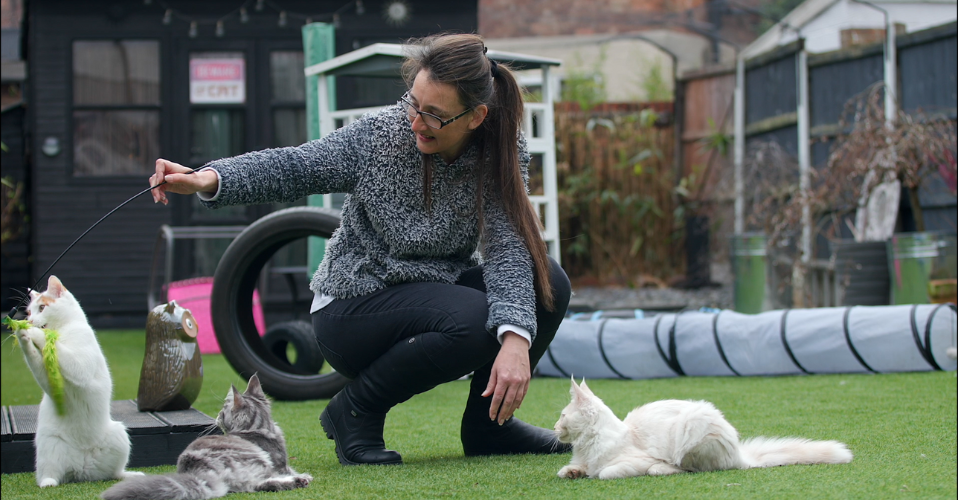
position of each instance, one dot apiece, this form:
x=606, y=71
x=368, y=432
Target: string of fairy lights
x=395, y=12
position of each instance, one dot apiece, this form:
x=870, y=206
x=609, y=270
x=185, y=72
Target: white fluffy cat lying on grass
x=76, y=439
x=669, y=437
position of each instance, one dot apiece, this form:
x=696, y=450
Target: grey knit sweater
x=387, y=237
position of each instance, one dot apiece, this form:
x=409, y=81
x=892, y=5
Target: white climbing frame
x=538, y=123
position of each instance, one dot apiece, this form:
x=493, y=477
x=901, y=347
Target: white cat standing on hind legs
x=671, y=437
x=85, y=443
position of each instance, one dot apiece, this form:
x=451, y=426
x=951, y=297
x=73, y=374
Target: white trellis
x=538, y=123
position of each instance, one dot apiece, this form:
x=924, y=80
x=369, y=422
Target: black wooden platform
x=157, y=438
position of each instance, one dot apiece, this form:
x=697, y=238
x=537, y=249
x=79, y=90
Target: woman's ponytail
x=460, y=60
x=504, y=158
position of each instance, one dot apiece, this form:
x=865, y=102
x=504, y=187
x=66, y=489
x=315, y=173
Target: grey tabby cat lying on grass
x=251, y=456
x=671, y=437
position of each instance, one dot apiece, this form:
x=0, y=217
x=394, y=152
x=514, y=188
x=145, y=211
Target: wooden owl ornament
x=172, y=372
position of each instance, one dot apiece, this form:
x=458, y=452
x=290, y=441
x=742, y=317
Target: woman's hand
x=180, y=180
x=509, y=380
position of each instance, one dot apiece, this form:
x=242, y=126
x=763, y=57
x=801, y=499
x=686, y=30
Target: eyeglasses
x=431, y=120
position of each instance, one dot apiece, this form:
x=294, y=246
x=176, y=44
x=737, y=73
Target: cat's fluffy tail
x=167, y=487
x=771, y=452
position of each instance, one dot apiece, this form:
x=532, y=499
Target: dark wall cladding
x=936, y=216
x=928, y=72
x=927, y=69
x=15, y=261
x=770, y=90
x=786, y=137
x=109, y=270
x=938, y=219
x=831, y=85
x=821, y=148
x=935, y=192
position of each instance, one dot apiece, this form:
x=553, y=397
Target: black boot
x=358, y=433
x=354, y=418
x=482, y=436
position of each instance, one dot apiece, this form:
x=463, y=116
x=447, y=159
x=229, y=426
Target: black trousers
x=451, y=319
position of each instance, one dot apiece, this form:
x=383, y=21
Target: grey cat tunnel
x=859, y=339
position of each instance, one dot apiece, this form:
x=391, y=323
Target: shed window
x=116, y=107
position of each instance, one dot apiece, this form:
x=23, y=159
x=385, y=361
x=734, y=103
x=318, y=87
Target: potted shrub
x=872, y=163
x=886, y=159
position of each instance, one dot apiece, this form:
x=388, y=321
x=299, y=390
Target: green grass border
x=901, y=428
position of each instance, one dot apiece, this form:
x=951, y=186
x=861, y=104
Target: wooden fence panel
x=616, y=179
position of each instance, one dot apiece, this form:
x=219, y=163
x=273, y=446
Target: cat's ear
x=55, y=287
x=234, y=398
x=580, y=392
x=33, y=294
x=254, y=388
x=237, y=398
x=585, y=387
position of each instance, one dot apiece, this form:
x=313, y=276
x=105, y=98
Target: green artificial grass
x=901, y=428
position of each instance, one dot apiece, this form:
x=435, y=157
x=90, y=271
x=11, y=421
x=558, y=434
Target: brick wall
x=537, y=18
x=12, y=11
x=517, y=18
x=866, y=36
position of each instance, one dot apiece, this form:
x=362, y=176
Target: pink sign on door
x=217, y=81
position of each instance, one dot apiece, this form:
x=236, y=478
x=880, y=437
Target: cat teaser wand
x=23, y=300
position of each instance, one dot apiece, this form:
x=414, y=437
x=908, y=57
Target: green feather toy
x=50, y=361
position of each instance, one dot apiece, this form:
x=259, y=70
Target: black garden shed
x=114, y=84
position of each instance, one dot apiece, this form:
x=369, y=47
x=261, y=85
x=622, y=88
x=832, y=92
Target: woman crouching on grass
x=438, y=269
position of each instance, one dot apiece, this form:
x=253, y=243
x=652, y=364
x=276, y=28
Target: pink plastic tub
x=194, y=294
